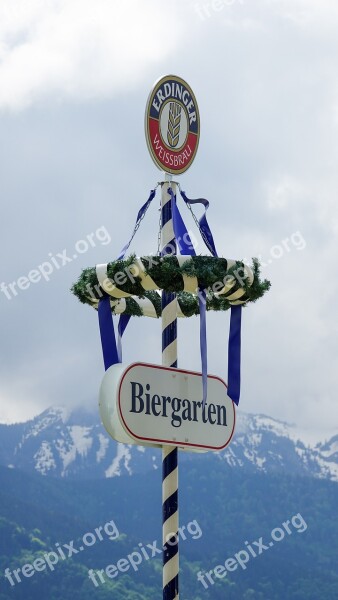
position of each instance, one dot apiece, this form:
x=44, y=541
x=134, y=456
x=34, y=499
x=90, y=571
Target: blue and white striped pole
x=169, y=453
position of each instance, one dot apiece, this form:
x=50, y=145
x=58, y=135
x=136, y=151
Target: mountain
x=228, y=511
x=75, y=445
x=269, y=490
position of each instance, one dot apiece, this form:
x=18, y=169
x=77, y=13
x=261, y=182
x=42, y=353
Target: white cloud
x=79, y=48
x=267, y=162
x=308, y=14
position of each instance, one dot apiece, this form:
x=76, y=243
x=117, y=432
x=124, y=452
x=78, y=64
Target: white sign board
x=153, y=405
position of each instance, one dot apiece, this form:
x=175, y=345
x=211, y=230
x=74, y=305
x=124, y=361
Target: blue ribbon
x=203, y=342
x=108, y=341
x=234, y=347
x=139, y=218
x=186, y=246
x=124, y=319
x=203, y=223
x=234, y=354
x=112, y=352
x=183, y=240
x=122, y=326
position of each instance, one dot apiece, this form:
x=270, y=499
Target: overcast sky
x=74, y=79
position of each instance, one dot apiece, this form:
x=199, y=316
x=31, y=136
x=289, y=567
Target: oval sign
x=154, y=405
x=172, y=124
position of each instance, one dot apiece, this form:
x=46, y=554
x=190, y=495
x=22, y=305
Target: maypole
x=164, y=406
x=169, y=453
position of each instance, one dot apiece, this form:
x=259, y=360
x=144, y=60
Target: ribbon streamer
x=107, y=332
x=203, y=223
x=234, y=347
x=114, y=354
x=203, y=342
x=139, y=218
x=186, y=247
x=182, y=236
x=234, y=354
x=122, y=326
x=124, y=319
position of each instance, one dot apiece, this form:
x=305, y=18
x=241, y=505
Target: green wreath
x=133, y=283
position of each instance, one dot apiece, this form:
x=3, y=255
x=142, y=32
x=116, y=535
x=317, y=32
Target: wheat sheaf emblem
x=174, y=123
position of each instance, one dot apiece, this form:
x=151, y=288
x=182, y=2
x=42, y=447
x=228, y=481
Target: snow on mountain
x=104, y=445
x=122, y=459
x=271, y=445
x=69, y=444
x=75, y=444
x=44, y=459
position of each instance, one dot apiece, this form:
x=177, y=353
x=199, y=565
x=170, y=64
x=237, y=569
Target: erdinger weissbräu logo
x=172, y=124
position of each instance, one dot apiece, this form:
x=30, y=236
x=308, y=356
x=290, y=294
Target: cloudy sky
x=74, y=80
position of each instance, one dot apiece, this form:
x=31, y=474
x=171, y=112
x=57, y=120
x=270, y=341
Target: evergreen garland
x=167, y=273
